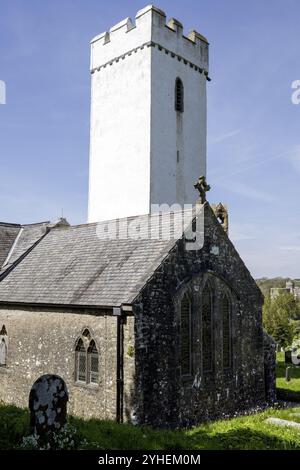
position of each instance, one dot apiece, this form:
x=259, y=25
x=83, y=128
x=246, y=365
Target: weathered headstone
x=48, y=405
x=292, y=357
x=282, y=422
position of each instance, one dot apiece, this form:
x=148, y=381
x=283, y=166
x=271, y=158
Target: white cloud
x=247, y=191
x=295, y=157
x=292, y=248
x=239, y=232
x=222, y=137
x=271, y=262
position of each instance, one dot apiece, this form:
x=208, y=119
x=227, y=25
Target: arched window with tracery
x=227, y=339
x=207, y=329
x=87, y=359
x=185, y=336
x=179, y=95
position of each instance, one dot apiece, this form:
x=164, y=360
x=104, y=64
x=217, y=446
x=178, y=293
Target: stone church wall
x=129, y=369
x=163, y=395
x=270, y=367
x=41, y=342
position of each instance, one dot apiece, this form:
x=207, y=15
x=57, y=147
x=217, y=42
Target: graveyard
x=275, y=428
x=244, y=433
x=149, y=295
x=287, y=390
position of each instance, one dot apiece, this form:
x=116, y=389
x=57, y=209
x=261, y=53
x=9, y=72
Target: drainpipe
x=120, y=365
x=121, y=313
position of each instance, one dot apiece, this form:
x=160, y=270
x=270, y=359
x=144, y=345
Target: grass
x=246, y=433
x=289, y=391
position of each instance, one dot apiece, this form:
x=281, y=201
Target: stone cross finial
x=202, y=187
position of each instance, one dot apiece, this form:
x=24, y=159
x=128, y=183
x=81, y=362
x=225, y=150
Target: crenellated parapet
x=150, y=29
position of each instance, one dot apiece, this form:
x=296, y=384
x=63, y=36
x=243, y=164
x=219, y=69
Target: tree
x=288, y=302
x=265, y=284
x=277, y=318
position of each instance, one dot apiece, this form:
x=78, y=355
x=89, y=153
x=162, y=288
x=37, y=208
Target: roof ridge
x=36, y=223
x=8, y=224
x=132, y=217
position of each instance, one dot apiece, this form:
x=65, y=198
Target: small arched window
x=3, y=353
x=207, y=330
x=185, y=336
x=179, y=95
x=81, y=366
x=3, y=346
x=226, y=320
x=87, y=359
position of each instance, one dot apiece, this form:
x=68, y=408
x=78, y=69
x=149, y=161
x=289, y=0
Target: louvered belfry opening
x=179, y=95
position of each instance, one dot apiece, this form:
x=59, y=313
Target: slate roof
x=27, y=236
x=8, y=234
x=79, y=265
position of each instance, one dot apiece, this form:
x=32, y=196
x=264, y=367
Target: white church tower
x=148, y=116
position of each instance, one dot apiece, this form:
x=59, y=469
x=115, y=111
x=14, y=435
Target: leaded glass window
x=207, y=329
x=93, y=361
x=3, y=346
x=87, y=359
x=185, y=336
x=226, y=319
x=81, y=362
x=3, y=352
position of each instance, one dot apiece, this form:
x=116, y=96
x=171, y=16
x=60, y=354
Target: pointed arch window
x=226, y=320
x=86, y=359
x=93, y=363
x=3, y=347
x=179, y=95
x=81, y=366
x=185, y=336
x=207, y=330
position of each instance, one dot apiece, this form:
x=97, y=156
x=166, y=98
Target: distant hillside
x=266, y=283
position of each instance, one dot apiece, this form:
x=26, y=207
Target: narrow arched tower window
x=207, y=330
x=185, y=336
x=93, y=363
x=226, y=319
x=179, y=95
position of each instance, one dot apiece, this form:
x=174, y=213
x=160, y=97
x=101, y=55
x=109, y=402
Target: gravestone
x=292, y=357
x=48, y=405
x=282, y=422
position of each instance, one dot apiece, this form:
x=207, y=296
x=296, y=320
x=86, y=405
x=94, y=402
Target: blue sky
x=253, y=127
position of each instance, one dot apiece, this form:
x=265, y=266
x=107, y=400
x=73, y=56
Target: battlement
x=150, y=29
